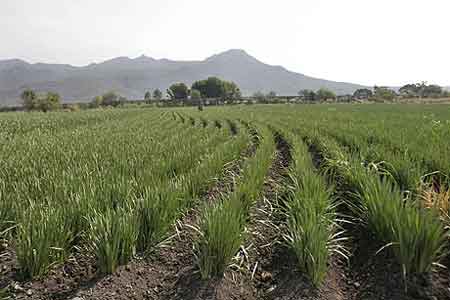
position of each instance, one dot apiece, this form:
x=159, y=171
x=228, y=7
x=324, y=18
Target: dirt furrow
x=272, y=267
x=251, y=276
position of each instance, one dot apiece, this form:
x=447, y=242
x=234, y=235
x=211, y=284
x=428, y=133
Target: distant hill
x=132, y=77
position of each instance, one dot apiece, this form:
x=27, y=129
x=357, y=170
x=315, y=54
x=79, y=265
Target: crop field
x=235, y=202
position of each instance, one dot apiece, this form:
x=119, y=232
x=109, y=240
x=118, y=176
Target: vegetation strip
x=223, y=224
x=415, y=236
x=255, y=261
x=175, y=255
x=313, y=230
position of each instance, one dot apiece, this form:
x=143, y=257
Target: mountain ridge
x=131, y=77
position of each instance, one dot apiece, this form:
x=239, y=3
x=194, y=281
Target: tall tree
x=214, y=87
x=148, y=96
x=362, y=94
x=29, y=99
x=110, y=99
x=307, y=95
x=432, y=91
x=195, y=94
x=272, y=95
x=96, y=102
x=157, y=94
x=51, y=101
x=178, y=91
x=410, y=90
x=210, y=88
x=325, y=94
x=230, y=91
x=384, y=93
x=259, y=97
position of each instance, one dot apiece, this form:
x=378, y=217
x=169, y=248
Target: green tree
x=362, y=94
x=195, y=95
x=196, y=98
x=410, y=90
x=259, y=96
x=178, y=91
x=325, y=94
x=210, y=88
x=29, y=99
x=147, y=96
x=214, y=87
x=96, y=102
x=384, y=93
x=272, y=95
x=432, y=91
x=307, y=95
x=110, y=99
x=230, y=91
x=446, y=94
x=121, y=101
x=52, y=101
x=422, y=90
x=157, y=95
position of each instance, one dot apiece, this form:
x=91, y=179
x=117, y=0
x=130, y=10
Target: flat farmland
x=338, y=201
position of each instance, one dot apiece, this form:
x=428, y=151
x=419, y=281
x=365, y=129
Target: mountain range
x=133, y=77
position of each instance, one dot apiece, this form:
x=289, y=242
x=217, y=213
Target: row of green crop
x=222, y=227
x=76, y=166
x=415, y=236
x=410, y=140
x=313, y=231
x=18, y=124
x=115, y=238
x=387, y=150
x=113, y=187
x=407, y=167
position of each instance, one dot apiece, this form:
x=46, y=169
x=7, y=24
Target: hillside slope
x=132, y=77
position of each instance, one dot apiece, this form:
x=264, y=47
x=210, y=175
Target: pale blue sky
x=389, y=42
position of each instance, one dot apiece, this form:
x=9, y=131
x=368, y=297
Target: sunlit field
x=189, y=196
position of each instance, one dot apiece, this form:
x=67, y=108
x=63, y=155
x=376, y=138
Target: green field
x=110, y=184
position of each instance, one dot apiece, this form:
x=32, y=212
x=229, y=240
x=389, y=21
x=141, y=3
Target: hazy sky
x=363, y=41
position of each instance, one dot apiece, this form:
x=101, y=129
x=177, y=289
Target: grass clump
x=220, y=237
x=415, y=236
x=154, y=213
x=41, y=241
x=112, y=237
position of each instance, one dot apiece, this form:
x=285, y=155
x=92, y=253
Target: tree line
x=41, y=102
x=210, y=88
x=411, y=90
x=218, y=89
